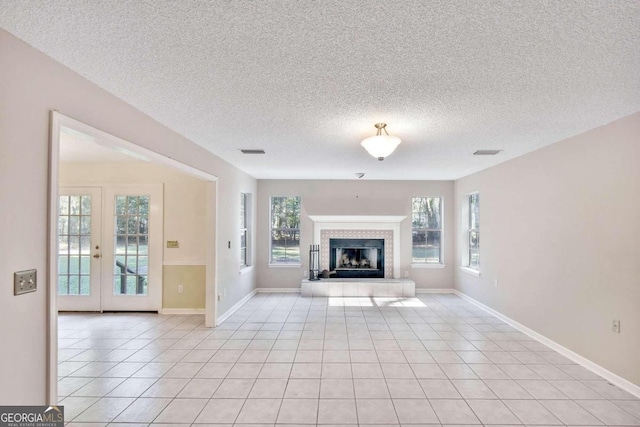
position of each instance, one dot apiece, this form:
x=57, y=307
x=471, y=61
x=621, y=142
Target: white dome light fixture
x=381, y=146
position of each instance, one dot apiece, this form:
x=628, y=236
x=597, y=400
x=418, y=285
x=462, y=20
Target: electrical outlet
x=495, y=283
x=615, y=326
x=180, y=289
x=305, y=273
x=24, y=282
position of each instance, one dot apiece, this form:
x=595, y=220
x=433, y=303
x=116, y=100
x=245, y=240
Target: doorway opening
x=112, y=206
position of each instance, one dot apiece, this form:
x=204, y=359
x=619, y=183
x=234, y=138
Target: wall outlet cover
x=615, y=326
x=24, y=282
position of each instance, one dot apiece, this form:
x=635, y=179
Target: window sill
x=425, y=265
x=246, y=269
x=470, y=271
x=283, y=265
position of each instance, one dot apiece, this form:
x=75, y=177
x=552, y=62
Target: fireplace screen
x=357, y=257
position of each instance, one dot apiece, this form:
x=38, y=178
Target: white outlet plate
x=180, y=289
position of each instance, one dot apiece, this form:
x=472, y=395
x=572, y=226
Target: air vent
x=486, y=152
x=251, y=151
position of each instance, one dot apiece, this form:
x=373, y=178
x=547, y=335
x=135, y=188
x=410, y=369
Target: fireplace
x=356, y=258
x=387, y=228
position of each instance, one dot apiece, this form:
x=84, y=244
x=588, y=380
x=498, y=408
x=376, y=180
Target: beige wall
x=31, y=84
x=192, y=277
x=560, y=232
x=323, y=197
x=183, y=220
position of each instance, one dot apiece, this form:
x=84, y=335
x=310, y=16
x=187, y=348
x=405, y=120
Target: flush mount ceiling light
x=381, y=146
x=486, y=152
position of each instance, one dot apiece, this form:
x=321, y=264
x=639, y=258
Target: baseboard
x=569, y=354
x=277, y=290
x=434, y=291
x=182, y=311
x=236, y=307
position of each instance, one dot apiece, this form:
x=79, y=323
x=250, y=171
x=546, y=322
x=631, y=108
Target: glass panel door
x=79, y=218
x=134, y=223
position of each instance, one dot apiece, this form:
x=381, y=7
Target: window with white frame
x=285, y=230
x=426, y=230
x=244, y=229
x=473, y=231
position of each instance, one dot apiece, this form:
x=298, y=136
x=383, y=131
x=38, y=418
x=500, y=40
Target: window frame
x=470, y=229
x=285, y=264
x=426, y=263
x=244, y=229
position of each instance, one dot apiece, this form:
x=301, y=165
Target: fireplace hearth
x=356, y=258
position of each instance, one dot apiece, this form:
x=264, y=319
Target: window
x=131, y=235
x=473, y=238
x=426, y=223
x=285, y=230
x=74, y=245
x=244, y=212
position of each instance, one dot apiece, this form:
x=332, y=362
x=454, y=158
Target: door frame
x=58, y=121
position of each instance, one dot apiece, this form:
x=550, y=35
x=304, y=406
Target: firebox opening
x=355, y=258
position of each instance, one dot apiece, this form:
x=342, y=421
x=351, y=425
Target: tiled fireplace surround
x=387, y=235
x=360, y=227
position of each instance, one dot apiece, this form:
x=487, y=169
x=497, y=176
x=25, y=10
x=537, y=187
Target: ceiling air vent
x=486, y=152
x=251, y=151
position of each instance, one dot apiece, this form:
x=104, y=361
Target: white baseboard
x=182, y=311
x=434, y=291
x=569, y=354
x=278, y=290
x=235, y=307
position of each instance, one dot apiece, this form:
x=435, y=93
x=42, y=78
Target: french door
x=79, y=248
x=132, y=248
x=114, y=253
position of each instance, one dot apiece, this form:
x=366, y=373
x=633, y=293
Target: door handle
x=96, y=255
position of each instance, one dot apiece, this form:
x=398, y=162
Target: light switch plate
x=24, y=282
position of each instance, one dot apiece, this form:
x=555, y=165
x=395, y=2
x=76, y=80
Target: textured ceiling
x=307, y=80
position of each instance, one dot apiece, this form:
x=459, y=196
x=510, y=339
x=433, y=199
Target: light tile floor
x=284, y=359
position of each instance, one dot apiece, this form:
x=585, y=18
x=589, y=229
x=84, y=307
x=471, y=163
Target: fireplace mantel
x=358, y=218
x=361, y=222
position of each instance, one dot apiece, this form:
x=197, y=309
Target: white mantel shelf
x=358, y=218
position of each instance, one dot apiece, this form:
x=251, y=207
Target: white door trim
x=57, y=121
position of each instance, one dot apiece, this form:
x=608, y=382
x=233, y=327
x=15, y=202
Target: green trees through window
x=426, y=224
x=474, y=231
x=285, y=230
